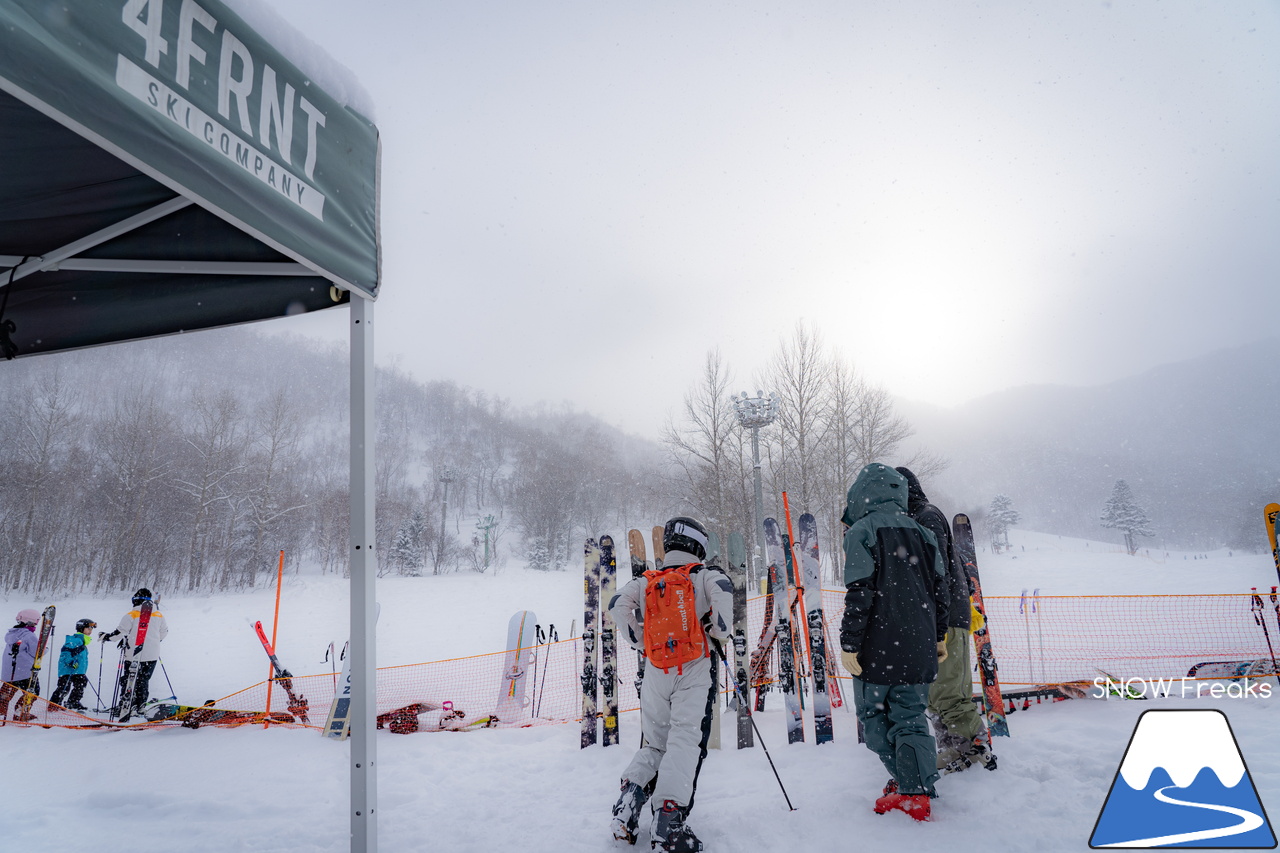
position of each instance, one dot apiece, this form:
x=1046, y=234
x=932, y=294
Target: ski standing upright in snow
x=1260, y=619
x=782, y=616
x=822, y=729
x=337, y=725
x=1271, y=513
x=125, y=710
x=590, y=617
x=608, y=642
x=762, y=657
x=992, y=702
x=737, y=571
x=635, y=545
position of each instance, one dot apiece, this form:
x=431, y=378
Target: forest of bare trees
x=190, y=463
x=830, y=423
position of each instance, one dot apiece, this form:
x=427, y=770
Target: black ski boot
x=626, y=812
x=670, y=832
x=959, y=758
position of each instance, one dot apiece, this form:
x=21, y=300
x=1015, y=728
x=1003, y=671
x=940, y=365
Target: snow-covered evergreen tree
x=408, y=554
x=1002, y=517
x=1123, y=513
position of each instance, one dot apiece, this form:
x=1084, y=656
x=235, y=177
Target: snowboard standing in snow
x=338, y=724
x=782, y=616
x=737, y=572
x=521, y=655
x=131, y=683
x=822, y=729
x=608, y=642
x=635, y=544
x=992, y=702
x=297, y=702
x=590, y=616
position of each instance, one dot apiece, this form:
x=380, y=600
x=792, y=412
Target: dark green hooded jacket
x=895, y=610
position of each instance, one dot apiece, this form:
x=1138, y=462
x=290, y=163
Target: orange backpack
x=672, y=631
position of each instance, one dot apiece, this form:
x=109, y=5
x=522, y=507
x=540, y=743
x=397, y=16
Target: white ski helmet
x=28, y=617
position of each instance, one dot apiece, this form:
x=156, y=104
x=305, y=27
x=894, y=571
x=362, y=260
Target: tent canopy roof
x=165, y=170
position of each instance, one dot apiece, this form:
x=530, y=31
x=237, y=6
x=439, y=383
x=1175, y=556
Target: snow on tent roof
x=166, y=169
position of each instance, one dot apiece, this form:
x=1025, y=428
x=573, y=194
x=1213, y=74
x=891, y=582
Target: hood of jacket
x=916, y=499
x=878, y=487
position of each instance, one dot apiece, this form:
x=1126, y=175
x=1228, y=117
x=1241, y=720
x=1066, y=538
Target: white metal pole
x=364, y=572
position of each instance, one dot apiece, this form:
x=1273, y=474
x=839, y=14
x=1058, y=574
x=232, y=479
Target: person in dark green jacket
x=893, y=633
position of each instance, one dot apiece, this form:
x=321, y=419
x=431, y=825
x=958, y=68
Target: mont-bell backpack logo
x=673, y=634
x=1183, y=783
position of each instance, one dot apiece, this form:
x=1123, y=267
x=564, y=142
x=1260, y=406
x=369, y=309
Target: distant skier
x=679, y=689
x=893, y=633
x=73, y=666
x=145, y=661
x=19, y=659
x=961, y=735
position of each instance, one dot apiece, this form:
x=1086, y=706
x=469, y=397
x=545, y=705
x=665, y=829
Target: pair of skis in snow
x=785, y=598
x=600, y=568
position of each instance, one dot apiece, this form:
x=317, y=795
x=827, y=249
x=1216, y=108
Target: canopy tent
x=163, y=169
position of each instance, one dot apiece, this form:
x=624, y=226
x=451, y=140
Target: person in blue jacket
x=73, y=666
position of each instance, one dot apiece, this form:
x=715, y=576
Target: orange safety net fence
x=1044, y=640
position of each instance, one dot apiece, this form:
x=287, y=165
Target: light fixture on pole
x=753, y=413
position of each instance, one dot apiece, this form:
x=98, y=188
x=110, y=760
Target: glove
x=942, y=651
x=976, y=620
x=103, y=636
x=850, y=661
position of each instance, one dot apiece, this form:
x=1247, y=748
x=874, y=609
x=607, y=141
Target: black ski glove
x=103, y=636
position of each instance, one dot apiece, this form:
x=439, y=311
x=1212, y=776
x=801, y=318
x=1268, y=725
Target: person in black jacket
x=961, y=736
x=893, y=633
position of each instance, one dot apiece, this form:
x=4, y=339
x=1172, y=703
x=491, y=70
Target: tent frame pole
x=364, y=572
x=124, y=226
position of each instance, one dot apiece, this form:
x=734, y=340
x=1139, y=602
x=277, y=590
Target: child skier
x=73, y=664
x=893, y=633
x=679, y=691
x=17, y=662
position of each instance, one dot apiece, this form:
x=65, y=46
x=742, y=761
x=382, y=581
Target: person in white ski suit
x=675, y=706
x=145, y=659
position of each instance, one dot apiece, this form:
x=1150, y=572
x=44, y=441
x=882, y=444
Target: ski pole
x=97, y=691
x=172, y=692
x=1257, y=617
x=752, y=717
x=552, y=637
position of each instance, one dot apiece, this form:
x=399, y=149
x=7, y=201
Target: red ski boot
x=915, y=805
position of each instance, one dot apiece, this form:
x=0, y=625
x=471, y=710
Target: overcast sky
x=580, y=199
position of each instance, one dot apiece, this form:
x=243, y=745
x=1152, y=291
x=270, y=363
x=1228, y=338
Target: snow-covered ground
x=533, y=789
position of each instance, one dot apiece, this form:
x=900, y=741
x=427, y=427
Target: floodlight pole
x=753, y=413
x=364, y=573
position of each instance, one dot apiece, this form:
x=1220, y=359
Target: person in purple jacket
x=17, y=662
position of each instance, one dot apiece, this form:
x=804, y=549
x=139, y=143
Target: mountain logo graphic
x=1183, y=783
